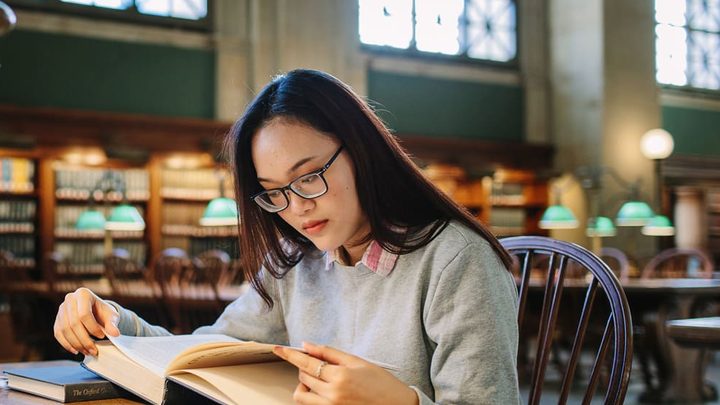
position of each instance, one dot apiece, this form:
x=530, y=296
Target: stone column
x=690, y=218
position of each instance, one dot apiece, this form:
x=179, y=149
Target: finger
x=58, y=332
x=303, y=395
x=331, y=355
x=299, y=359
x=87, y=346
x=85, y=314
x=69, y=335
x=316, y=385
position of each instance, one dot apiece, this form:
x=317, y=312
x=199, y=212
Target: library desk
x=11, y=397
x=701, y=333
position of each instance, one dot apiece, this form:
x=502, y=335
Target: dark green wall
x=51, y=70
x=448, y=108
x=695, y=131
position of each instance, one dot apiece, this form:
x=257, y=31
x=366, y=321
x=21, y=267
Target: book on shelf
x=196, y=368
x=62, y=383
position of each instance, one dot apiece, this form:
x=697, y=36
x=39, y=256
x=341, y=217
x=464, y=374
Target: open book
x=168, y=369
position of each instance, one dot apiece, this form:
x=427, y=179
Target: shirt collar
x=375, y=258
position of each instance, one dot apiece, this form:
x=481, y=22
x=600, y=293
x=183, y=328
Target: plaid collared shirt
x=375, y=258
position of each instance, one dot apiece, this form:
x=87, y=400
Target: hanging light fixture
x=558, y=216
x=220, y=211
x=600, y=227
x=123, y=217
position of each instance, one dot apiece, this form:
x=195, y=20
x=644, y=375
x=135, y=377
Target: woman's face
x=284, y=150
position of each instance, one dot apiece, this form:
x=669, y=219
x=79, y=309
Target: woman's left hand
x=330, y=376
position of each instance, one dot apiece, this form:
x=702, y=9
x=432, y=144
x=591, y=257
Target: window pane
x=704, y=15
x=386, y=22
x=670, y=12
x=438, y=25
x=491, y=30
x=671, y=54
x=154, y=7
x=189, y=9
x=114, y=4
x=704, y=61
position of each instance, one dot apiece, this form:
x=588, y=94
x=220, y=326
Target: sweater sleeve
x=249, y=318
x=471, y=318
x=246, y=318
x=131, y=324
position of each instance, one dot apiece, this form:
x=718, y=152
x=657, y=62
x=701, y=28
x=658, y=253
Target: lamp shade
x=125, y=217
x=558, y=217
x=601, y=227
x=634, y=213
x=91, y=220
x=659, y=225
x=657, y=144
x=221, y=211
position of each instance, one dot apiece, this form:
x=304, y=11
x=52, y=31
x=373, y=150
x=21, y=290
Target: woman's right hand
x=83, y=314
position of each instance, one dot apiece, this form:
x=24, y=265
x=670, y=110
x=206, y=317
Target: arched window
x=687, y=43
x=473, y=29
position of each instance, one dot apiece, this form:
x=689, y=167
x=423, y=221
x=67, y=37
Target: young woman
x=354, y=256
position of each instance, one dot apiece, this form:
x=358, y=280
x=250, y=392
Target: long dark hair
x=405, y=211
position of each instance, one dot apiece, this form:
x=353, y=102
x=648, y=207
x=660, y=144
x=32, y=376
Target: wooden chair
x=199, y=302
x=679, y=263
x=59, y=274
x=617, y=260
x=127, y=278
x=167, y=272
x=616, y=337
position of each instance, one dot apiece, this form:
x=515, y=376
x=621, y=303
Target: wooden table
x=11, y=397
x=703, y=333
x=675, y=299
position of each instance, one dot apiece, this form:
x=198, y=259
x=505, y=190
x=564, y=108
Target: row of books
x=199, y=231
x=67, y=215
x=18, y=211
x=195, y=184
x=17, y=175
x=21, y=246
x=79, y=183
x=200, y=245
x=507, y=221
x=507, y=193
x=88, y=257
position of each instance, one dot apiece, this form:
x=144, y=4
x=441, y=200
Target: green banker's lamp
x=220, y=211
x=558, y=216
x=123, y=217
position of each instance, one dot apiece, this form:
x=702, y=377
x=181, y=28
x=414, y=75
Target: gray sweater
x=443, y=321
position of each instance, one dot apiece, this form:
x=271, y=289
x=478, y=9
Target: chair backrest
x=617, y=260
x=210, y=269
x=126, y=276
x=679, y=263
x=615, y=320
x=59, y=274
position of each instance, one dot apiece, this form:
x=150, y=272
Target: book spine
x=94, y=391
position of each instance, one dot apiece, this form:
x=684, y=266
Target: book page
x=157, y=352
x=261, y=383
x=223, y=354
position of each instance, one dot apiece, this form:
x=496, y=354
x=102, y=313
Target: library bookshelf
x=171, y=170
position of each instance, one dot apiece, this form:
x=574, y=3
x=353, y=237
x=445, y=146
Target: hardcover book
x=61, y=383
x=175, y=369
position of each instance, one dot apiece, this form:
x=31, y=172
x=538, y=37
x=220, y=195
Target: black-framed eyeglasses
x=308, y=186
